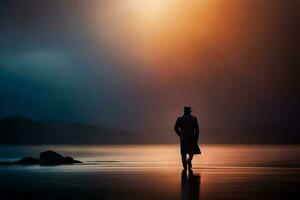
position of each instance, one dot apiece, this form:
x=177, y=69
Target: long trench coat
x=187, y=129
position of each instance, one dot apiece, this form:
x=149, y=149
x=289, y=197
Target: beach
x=133, y=176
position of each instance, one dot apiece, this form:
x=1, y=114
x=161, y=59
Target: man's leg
x=189, y=161
x=183, y=159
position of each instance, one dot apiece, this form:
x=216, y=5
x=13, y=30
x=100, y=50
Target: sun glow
x=162, y=34
x=149, y=10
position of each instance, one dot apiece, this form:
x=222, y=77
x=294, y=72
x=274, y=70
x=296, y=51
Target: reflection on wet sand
x=190, y=185
x=50, y=183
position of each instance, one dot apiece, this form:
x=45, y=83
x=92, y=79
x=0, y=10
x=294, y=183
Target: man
x=187, y=129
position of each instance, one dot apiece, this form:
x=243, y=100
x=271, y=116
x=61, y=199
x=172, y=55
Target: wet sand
x=144, y=172
x=141, y=183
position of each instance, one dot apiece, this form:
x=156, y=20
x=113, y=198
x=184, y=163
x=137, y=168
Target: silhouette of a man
x=187, y=129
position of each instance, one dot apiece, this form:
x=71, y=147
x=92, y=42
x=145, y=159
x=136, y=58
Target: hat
x=187, y=109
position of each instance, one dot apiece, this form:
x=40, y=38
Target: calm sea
x=164, y=156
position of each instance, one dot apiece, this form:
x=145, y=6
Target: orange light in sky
x=159, y=35
x=149, y=10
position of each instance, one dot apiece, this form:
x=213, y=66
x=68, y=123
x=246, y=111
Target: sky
x=134, y=64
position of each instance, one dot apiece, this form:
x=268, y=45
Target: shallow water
x=166, y=156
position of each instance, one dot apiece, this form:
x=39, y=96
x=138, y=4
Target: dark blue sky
x=101, y=62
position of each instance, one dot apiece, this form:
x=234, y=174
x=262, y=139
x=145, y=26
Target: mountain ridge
x=21, y=130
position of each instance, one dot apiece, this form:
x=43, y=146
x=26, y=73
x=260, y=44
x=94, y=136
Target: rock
x=28, y=161
x=69, y=160
x=46, y=158
x=53, y=158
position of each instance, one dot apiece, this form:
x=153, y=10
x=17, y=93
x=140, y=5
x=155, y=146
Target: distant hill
x=21, y=130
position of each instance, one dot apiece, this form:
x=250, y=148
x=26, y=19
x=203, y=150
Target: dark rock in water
x=53, y=158
x=28, y=161
x=46, y=158
x=69, y=160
